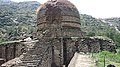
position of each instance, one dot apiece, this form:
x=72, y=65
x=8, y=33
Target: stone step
x=32, y=59
x=29, y=63
x=23, y=65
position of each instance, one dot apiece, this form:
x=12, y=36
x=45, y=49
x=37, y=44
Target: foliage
x=93, y=26
x=17, y=19
x=91, y=34
x=110, y=58
x=114, y=36
x=96, y=27
x=114, y=20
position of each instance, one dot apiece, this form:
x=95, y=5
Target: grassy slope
x=110, y=58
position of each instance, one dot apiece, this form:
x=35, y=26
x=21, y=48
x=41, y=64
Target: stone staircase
x=30, y=60
x=32, y=57
x=37, y=54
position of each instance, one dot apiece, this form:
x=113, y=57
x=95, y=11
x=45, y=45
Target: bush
x=110, y=58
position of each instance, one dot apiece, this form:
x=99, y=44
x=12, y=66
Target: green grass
x=110, y=58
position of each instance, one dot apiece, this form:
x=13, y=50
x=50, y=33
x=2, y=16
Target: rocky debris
x=12, y=62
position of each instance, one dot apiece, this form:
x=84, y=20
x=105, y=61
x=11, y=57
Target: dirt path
x=81, y=60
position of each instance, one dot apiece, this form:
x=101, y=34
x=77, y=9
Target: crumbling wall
x=37, y=54
x=52, y=52
x=9, y=51
x=95, y=45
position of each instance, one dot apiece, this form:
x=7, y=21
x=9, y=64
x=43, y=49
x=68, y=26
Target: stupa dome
x=57, y=15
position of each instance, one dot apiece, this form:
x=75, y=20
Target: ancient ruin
x=58, y=21
x=59, y=37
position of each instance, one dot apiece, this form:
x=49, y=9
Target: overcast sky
x=96, y=8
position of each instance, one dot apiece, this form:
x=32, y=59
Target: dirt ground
x=82, y=60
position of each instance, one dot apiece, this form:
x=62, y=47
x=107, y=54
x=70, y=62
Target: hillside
x=114, y=21
x=93, y=26
x=17, y=19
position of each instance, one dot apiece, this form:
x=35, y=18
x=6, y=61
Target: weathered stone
x=59, y=37
x=95, y=45
x=61, y=17
x=9, y=51
x=58, y=21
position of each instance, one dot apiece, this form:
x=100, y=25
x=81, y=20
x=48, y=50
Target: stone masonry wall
x=54, y=52
x=9, y=51
x=95, y=45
